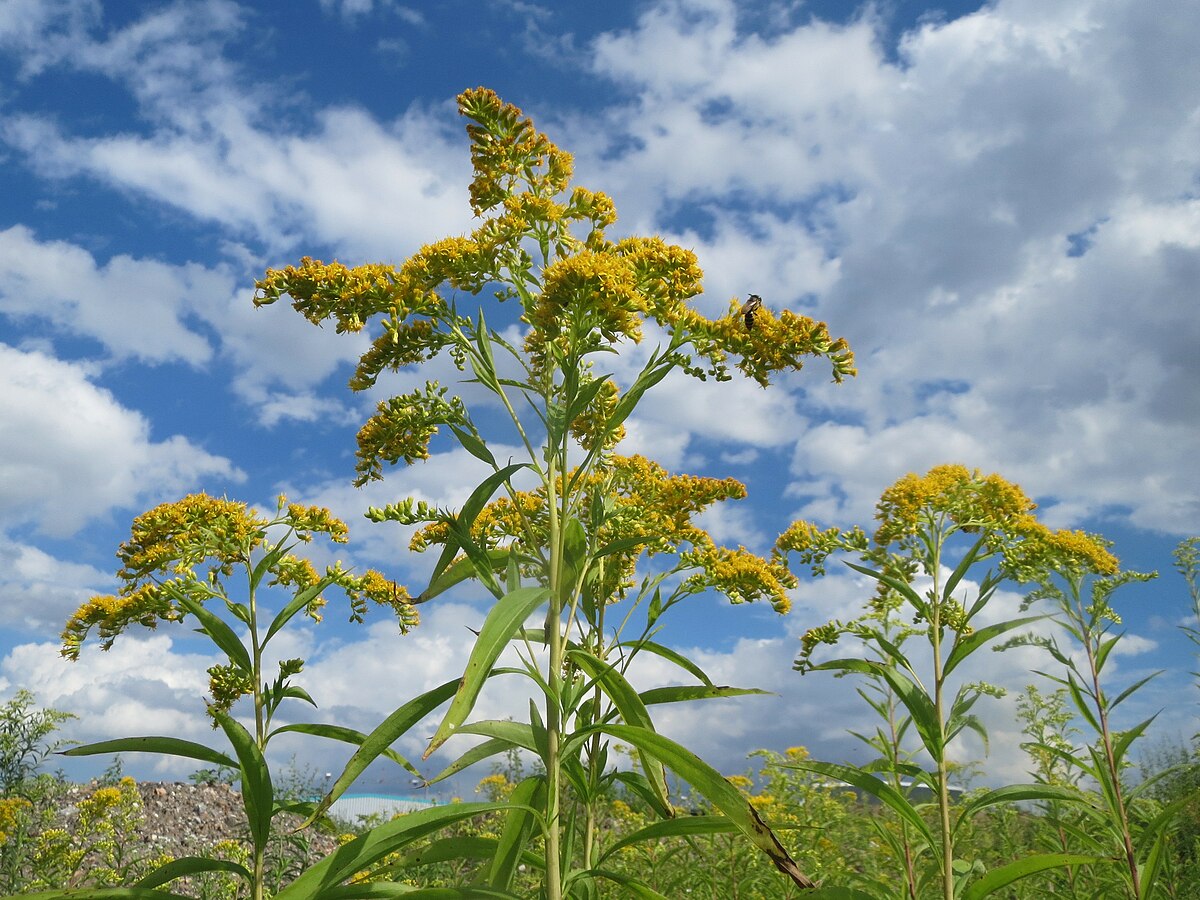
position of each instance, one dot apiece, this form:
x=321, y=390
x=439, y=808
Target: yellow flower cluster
x=591, y=428
x=402, y=428
x=168, y=542
x=178, y=536
x=11, y=811
x=742, y=576
x=320, y=290
x=382, y=591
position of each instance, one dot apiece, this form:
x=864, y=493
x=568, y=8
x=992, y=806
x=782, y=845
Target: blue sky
x=996, y=204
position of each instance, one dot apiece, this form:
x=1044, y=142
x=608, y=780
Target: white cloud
x=926, y=207
x=69, y=452
x=217, y=150
x=39, y=592
x=135, y=308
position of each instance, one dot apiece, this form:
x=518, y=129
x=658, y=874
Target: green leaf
x=574, y=557
x=463, y=569
x=379, y=740
x=377, y=843
x=455, y=848
x=960, y=570
x=1030, y=865
x=628, y=704
x=479, y=752
x=656, y=369
x=578, y=404
x=1081, y=704
x=669, y=655
x=1104, y=649
x=915, y=700
x=168, y=746
x=505, y=617
x=620, y=545
x=461, y=524
x=216, y=628
x=900, y=587
x=270, y=558
x=473, y=445
x=1015, y=793
x=965, y=645
x=518, y=826
x=681, y=826
x=382, y=890
x=119, y=893
x=192, y=865
x=346, y=736
x=632, y=887
x=636, y=782
x=880, y=790
x=684, y=693
x=258, y=796
x=297, y=603
x=717, y=789
x=1133, y=687
x=1125, y=738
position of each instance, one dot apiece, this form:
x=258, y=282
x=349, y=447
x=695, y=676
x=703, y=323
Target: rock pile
x=189, y=819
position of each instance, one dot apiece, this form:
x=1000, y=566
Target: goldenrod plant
x=944, y=544
x=593, y=546
x=214, y=562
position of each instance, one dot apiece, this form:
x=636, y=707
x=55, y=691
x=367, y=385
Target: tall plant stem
x=553, y=677
x=1113, y=773
x=943, y=785
x=259, y=861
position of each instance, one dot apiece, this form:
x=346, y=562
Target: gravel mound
x=184, y=819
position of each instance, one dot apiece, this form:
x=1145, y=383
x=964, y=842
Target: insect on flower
x=753, y=304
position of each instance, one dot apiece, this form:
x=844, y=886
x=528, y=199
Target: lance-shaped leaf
x=379, y=740
x=656, y=369
x=669, y=655
x=688, y=692
x=630, y=886
x=915, y=700
x=168, y=746
x=345, y=735
x=518, y=826
x=215, y=627
x=681, y=826
x=1022, y=868
x=461, y=524
x=465, y=568
x=880, y=790
x=258, y=796
x=192, y=865
x=121, y=893
x=473, y=445
x=1014, y=793
x=628, y=704
x=297, y=603
x=716, y=789
x=964, y=646
x=322, y=878
x=507, y=615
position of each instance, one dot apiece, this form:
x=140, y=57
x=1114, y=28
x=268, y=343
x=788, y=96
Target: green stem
x=259, y=872
x=1113, y=772
x=943, y=774
x=553, y=679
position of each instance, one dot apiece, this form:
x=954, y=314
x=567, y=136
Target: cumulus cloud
x=70, y=452
x=215, y=150
x=134, y=308
x=38, y=591
x=984, y=217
